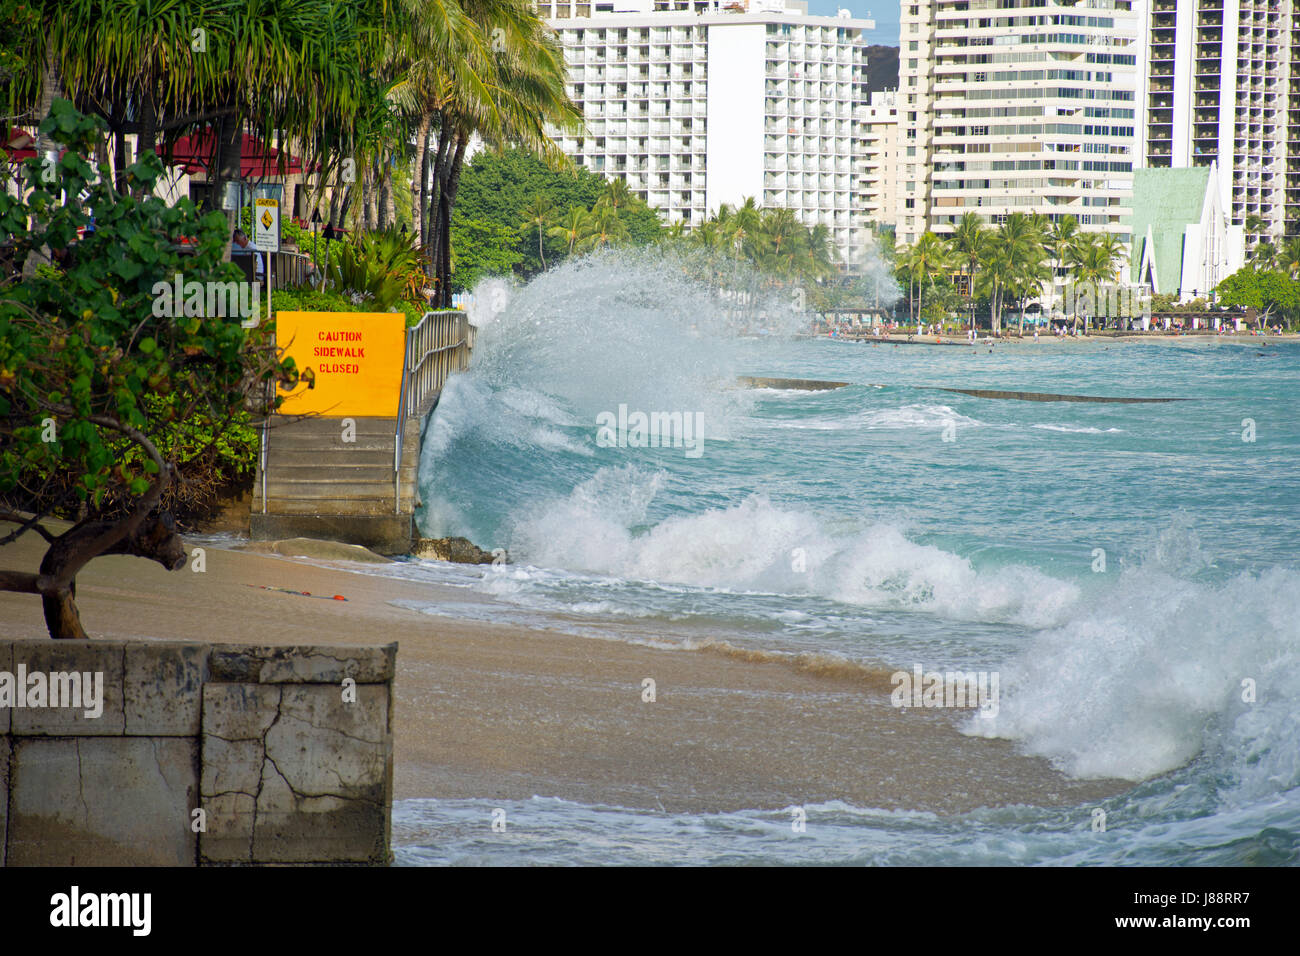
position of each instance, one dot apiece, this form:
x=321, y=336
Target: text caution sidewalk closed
x=356, y=356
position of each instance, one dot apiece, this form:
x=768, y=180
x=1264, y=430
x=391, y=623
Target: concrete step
x=345, y=457
x=332, y=487
x=368, y=445
x=284, y=471
x=329, y=427
x=333, y=506
x=297, y=470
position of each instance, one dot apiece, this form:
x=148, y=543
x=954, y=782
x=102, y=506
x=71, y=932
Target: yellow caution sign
x=266, y=225
x=356, y=358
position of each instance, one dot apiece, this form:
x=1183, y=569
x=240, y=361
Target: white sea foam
x=1077, y=429
x=1154, y=673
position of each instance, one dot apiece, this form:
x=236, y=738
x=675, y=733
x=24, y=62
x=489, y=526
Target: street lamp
x=315, y=242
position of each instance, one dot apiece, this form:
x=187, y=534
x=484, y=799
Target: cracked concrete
x=260, y=738
x=93, y=801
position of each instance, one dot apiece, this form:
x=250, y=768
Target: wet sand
x=490, y=710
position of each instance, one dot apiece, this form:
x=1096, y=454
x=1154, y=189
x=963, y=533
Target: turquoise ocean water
x=891, y=523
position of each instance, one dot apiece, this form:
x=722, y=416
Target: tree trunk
x=449, y=204
x=227, y=164
x=367, y=218
x=420, y=178
x=387, y=204
x=120, y=160
x=155, y=539
x=336, y=195
x=50, y=89
x=147, y=138
x=438, y=185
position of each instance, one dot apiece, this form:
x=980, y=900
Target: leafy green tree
x=1267, y=292
x=482, y=249
x=97, y=358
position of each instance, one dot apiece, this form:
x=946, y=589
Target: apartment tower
x=696, y=103
x=1017, y=106
x=1221, y=86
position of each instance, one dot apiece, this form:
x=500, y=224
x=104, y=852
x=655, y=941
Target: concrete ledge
x=96, y=660
x=384, y=533
x=204, y=754
x=322, y=664
x=295, y=773
x=163, y=688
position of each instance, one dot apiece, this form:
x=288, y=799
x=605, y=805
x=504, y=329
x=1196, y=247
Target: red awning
x=18, y=143
x=257, y=161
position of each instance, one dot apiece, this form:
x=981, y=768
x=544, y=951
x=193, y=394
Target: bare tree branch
x=27, y=524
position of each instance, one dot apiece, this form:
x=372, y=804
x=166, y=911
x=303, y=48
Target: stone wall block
x=102, y=801
x=164, y=688
x=326, y=786
x=303, y=665
x=102, y=660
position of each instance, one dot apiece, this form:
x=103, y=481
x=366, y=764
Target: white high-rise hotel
x=1016, y=106
x=1220, y=85
x=701, y=102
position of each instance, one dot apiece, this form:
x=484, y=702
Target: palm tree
x=1264, y=256
x=929, y=258
x=969, y=244
x=997, y=274
x=504, y=82
x=604, y=227
x=1288, y=257
x=819, y=252
x=1061, y=236
x=781, y=231
x=575, y=224
x=1093, y=260
x=741, y=225
x=616, y=195
x=537, y=215
x=1019, y=242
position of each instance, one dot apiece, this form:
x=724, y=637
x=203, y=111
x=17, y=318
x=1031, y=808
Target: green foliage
x=482, y=249
x=1267, y=292
x=496, y=193
x=88, y=358
x=307, y=299
x=382, y=267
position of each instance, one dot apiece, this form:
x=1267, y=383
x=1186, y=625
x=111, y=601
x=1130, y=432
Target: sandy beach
x=494, y=711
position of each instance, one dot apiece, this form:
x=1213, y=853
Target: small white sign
x=266, y=225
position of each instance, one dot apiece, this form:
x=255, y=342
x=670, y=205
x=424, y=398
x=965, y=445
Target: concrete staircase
x=318, y=485
x=340, y=478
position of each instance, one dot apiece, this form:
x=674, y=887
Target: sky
x=884, y=12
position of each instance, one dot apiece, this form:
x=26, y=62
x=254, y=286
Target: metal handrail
x=432, y=338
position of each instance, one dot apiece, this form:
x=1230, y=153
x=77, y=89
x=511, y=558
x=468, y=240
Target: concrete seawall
x=200, y=754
